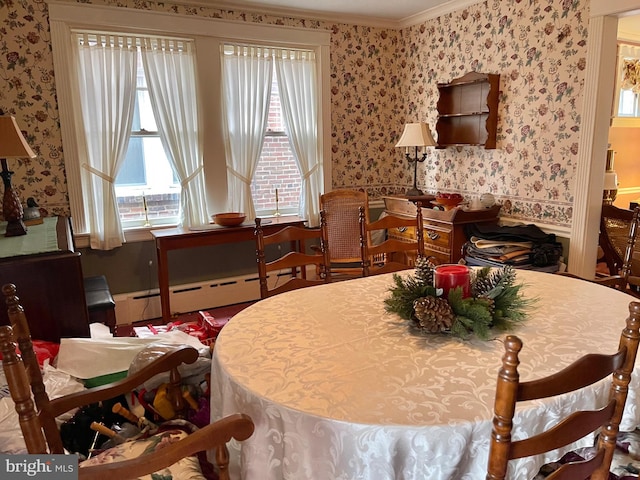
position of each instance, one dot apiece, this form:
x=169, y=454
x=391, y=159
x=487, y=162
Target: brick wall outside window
x=276, y=169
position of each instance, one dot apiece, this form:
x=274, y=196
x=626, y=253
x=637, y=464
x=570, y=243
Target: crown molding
x=301, y=13
x=629, y=36
x=435, y=12
x=309, y=14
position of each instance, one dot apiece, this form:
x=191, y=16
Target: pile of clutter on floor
x=79, y=363
x=522, y=246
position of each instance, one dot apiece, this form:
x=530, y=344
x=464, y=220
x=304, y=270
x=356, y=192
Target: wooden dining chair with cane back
x=618, y=237
x=392, y=254
x=585, y=371
x=342, y=213
x=37, y=413
x=618, y=232
x=296, y=268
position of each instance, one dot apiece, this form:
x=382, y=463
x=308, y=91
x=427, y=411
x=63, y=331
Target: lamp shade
x=416, y=135
x=12, y=142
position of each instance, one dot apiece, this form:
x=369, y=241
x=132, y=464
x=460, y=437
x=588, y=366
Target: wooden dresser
x=443, y=230
x=47, y=273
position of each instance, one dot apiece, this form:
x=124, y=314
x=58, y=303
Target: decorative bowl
x=229, y=219
x=448, y=201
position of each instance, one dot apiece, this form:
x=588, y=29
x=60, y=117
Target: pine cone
x=493, y=282
x=434, y=314
x=424, y=270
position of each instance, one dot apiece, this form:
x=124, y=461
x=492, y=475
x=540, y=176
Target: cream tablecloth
x=340, y=389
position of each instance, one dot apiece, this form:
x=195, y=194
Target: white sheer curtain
x=171, y=77
x=296, y=71
x=107, y=88
x=246, y=83
x=626, y=53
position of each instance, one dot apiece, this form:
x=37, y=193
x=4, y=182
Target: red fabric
x=206, y=328
x=43, y=350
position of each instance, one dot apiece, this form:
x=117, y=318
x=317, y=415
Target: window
x=251, y=108
x=276, y=167
x=627, y=105
x=137, y=175
x=146, y=186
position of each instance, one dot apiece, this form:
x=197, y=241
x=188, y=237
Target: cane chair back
x=290, y=271
x=342, y=211
x=37, y=413
x=391, y=255
x=583, y=372
x=618, y=231
x=618, y=237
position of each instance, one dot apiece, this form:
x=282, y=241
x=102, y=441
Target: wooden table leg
x=163, y=282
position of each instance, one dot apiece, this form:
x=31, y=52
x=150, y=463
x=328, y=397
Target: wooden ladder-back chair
x=618, y=232
x=583, y=372
x=342, y=213
x=392, y=255
x=37, y=413
x=292, y=266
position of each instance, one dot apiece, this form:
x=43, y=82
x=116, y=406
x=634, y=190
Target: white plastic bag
x=94, y=357
x=56, y=384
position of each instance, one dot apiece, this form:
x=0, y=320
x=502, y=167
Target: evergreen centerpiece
x=495, y=302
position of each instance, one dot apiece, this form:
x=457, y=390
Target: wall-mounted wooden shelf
x=468, y=111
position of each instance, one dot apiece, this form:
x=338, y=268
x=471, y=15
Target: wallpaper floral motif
x=539, y=49
x=380, y=79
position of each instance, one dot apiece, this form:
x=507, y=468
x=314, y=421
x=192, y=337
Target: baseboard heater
x=145, y=305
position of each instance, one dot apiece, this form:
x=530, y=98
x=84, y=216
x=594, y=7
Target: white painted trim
x=592, y=147
x=61, y=48
x=629, y=36
x=437, y=11
x=209, y=34
x=163, y=23
x=625, y=122
x=343, y=18
x=599, y=8
x=304, y=13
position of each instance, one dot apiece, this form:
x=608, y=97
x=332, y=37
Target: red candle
x=453, y=276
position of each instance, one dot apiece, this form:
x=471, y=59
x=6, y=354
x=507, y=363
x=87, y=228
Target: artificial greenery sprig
x=496, y=302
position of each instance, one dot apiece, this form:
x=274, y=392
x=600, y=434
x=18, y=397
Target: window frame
x=209, y=34
x=618, y=120
x=143, y=191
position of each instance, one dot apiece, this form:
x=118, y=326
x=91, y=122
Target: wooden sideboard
x=444, y=233
x=48, y=276
x=178, y=238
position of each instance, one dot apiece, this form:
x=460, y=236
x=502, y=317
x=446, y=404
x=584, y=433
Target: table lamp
x=416, y=135
x=12, y=145
x=610, y=181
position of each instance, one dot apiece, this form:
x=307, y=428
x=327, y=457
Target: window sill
x=131, y=235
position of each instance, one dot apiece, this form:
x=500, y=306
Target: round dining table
x=339, y=388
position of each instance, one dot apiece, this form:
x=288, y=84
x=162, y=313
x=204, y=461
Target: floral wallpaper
x=539, y=50
x=380, y=79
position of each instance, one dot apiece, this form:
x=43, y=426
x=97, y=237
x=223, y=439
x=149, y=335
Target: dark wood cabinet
x=468, y=111
x=443, y=233
x=49, y=283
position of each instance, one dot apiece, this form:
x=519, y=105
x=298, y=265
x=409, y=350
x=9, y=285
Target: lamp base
x=11, y=206
x=609, y=196
x=414, y=192
x=15, y=228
